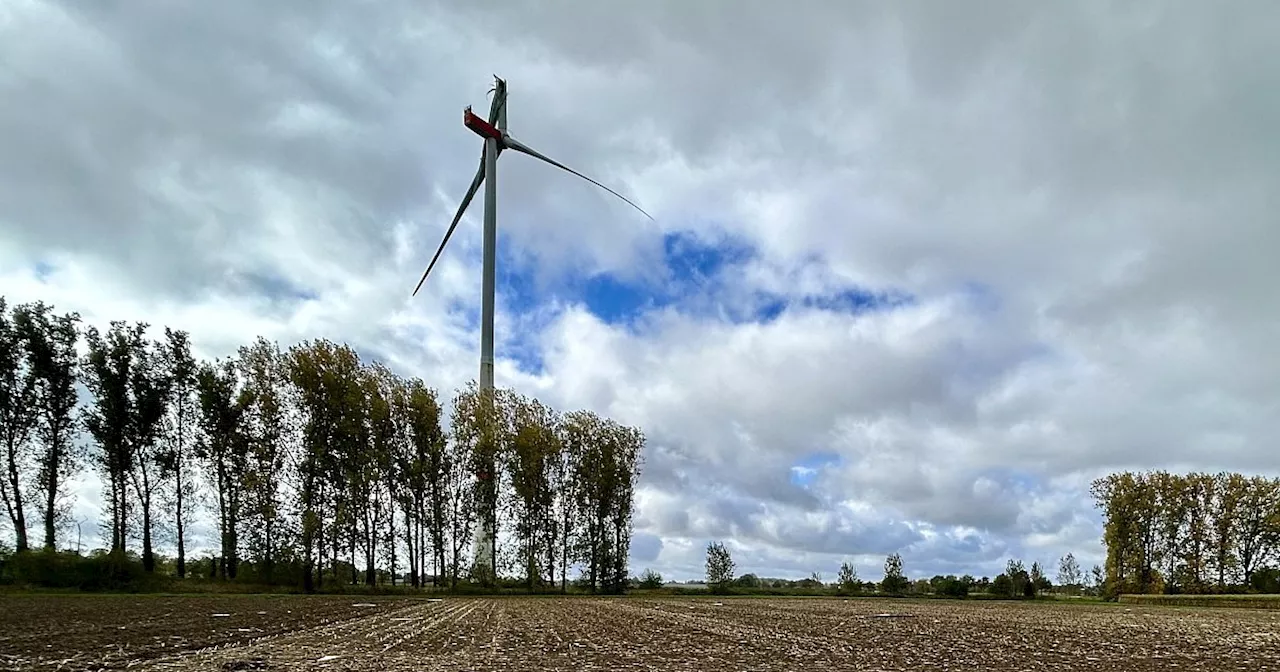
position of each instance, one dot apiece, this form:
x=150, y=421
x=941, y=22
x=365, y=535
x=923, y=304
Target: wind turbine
x=496, y=139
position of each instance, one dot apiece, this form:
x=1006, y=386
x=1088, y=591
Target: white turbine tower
x=496, y=139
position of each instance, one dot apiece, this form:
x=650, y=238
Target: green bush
x=1244, y=601
x=1266, y=580
x=98, y=571
x=650, y=580
x=953, y=587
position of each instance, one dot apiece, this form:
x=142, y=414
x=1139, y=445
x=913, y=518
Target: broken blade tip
x=525, y=149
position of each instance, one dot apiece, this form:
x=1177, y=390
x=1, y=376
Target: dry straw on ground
x=302, y=633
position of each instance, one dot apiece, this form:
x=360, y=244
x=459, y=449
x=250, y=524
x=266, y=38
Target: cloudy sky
x=919, y=271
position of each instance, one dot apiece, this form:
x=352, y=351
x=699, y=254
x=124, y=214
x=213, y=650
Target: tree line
x=1017, y=581
x=1189, y=533
x=315, y=467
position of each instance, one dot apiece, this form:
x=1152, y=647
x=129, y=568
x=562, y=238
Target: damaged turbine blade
x=525, y=149
x=499, y=102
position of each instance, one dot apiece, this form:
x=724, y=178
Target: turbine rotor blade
x=462, y=207
x=525, y=149
x=499, y=100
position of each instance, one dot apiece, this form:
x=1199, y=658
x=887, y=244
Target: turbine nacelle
x=481, y=127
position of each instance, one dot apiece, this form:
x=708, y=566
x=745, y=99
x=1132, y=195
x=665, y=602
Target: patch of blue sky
x=469, y=315
x=527, y=355
x=520, y=297
x=694, y=268
x=515, y=279
x=1010, y=477
x=806, y=469
x=43, y=270
x=617, y=302
x=690, y=264
x=692, y=259
x=982, y=297
x=771, y=306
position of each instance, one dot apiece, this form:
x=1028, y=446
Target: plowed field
x=386, y=635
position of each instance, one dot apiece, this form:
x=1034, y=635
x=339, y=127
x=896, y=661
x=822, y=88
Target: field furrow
x=498, y=634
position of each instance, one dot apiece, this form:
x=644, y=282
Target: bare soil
x=90, y=632
x=302, y=633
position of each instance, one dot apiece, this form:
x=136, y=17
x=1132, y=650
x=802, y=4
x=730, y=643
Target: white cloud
x=1079, y=197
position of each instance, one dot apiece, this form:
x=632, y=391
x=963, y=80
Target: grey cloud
x=1103, y=171
x=645, y=547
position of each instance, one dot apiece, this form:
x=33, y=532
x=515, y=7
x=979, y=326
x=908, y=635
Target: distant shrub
x=1267, y=580
x=98, y=571
x=720, y=567
x=894, y=581
x=953, y=587
x=1244, y=601
x=1002, y=586
x=650, y=580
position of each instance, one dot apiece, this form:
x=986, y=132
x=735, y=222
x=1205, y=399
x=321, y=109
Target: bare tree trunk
x=351, y=549
x=319, y=550
x=551, y=551
x=421, y=556
x=180, y=465
x=222, y=524
x=13, y=499
x=120, y=518
x=115, y=516
x=233, y=532
x=268, y=561
x=370, y=548
x=143, y=488
x=308, y=531
x=53, y=464
x=564, y=559
x=182, y=545
x=391, y=540
x=308, y=579
x=148, y=557
x=337, y=544
x=182, y=552
x=409, y=539
x=437, y=556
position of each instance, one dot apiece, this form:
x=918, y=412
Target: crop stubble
x=746, y=634
x=84, y=632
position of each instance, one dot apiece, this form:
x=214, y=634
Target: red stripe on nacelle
x=481, y=127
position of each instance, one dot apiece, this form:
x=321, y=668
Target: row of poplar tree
x=1192, y=533
x=316, y=467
